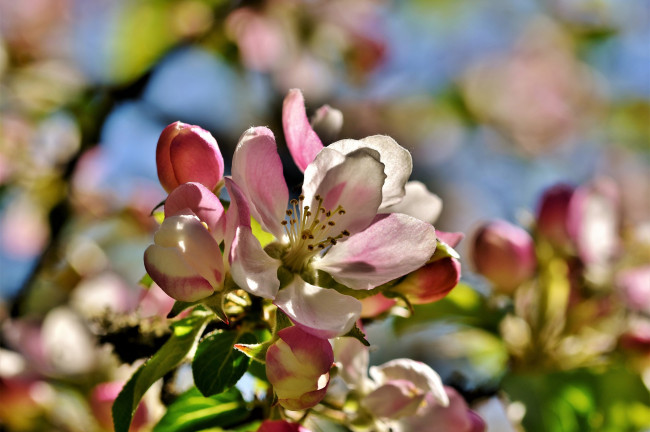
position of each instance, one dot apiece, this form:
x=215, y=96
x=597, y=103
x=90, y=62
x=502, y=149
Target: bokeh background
x=495, y=100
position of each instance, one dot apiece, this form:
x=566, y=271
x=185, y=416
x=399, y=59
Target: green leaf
x=185, y=334
x=217, y=365
x=194, y=412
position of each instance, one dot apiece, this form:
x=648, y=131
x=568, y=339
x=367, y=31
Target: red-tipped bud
x=505, y=254
x=187, y=153
x=432, y=282
x=375, y=305
x=298, y=366
x=281, y=426
x=552, y=215
x=101, y=403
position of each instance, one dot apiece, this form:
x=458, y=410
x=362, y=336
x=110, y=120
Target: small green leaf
x=193, y=412
x=217, y=365
x=185, y=334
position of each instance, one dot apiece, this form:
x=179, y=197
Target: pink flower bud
x=505, y=254
x=101, y=403
x=432, y=282
x=187, y=153
x=281, y=426
x=298, y=366
x=552, y=215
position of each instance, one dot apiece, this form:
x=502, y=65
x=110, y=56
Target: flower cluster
x=357, y=241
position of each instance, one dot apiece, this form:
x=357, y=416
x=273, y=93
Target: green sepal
x=180, y=306
x=443, y=250
x=255, y=351
x=160, y=204
x=358, y=335
x=215, y=303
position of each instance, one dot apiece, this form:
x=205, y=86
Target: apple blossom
x=187, y=153
x=333, y=226
x=298, y=365
x=504, y=253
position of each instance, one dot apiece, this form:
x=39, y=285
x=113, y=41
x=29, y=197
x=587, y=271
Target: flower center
x=310, y=231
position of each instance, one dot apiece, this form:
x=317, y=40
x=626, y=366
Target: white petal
x=392, y=246
x=322, y=312
x=396, y=159
x=417, y=202
x=353, y=181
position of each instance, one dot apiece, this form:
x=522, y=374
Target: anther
x=301, y=197
x=293, y=201
x=341, y=212
x=328, y=214
x=318, y=198
x=331, y=223
x=310, y=247
x=345, y=232
x=333, y=241
x=284, y=222
x=289, y=212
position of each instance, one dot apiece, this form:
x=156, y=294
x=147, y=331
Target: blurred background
x=496, y=101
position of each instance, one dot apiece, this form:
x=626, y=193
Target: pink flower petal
x=302, y=141
x=238, y=213
x=392, y=246
x=352, y=181
x=322, y=312
x=417, y=202
x=456, y=417
x=196, y=199
x=396, y=159
x=257, y=170
x=251, y=268
x=393, y=400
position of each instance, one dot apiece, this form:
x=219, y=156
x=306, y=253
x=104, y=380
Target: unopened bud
x=431, y=282
x=505, y=254
x=552, y=215
x=187, y=153
x=298, y=365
